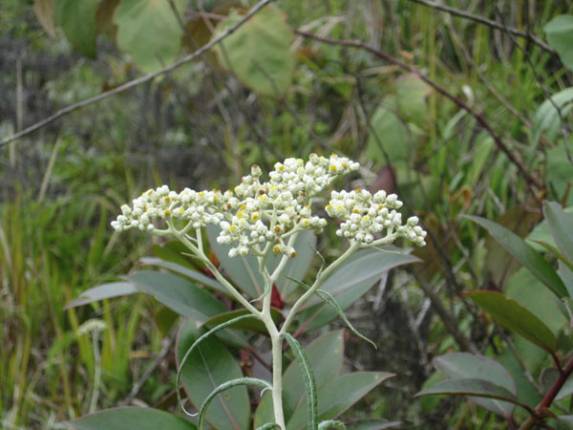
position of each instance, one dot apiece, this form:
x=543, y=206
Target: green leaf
x=297, y=267
x=149, y=31
x=195, y=345
x=389, y=140
x=550, y=115
x=128, y=418
x=525, y=254
x=559, y=33
x=377, y=425
x=411, y=95
x=351, y=281
x=526, y=290
x=259, y=53
x=329, y=298
x=188, y=273
x=227, y=386
x=78, y=20
x=102, y=292
x=460, y=365
x=178, y=294
x=516, y=318
x=470, y=387
x=561, y=227
x=354, y=386
x=542, y=234
x=269, y=426
x=209, y=366
x=309, y=382
x=325, y=368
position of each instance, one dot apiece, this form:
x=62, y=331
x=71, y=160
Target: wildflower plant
x=266, y=228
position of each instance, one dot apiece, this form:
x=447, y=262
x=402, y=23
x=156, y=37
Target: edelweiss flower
x=366, y=216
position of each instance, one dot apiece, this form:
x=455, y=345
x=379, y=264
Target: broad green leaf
x=526, y=290
x=459, y=365
x=561, y=227
x=389, y=140
x=206, y=368
x=188, y=273
x=225, y=386
x=332, y=425
x=351, y=281
x=550, y=115
x=340, y=394
x=470, y=387
x=309, y=381
x=78, y=20
x=559, y=33
x=516, y=318
x=525, y=254
x=104, y=291
x=325, y=367
x=542, y=234
x=259, y=53
x=411, y=95
x=178, y=294
x=481, y=153
x=149, y=31
x=131, y=418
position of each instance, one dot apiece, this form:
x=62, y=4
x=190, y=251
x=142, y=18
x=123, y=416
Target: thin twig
x=138, y=81
x=533, y=182
x=487, y=22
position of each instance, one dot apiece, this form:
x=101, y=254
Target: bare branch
x=138, y=81
x=533, y=182
x=487, y=22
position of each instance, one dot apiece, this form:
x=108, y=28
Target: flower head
x=258, y=216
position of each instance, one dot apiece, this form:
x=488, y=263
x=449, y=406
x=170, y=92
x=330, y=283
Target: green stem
x=317, y=283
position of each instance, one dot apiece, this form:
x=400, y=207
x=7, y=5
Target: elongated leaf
x=560, y=37
x=259, y=52
x=104, y=291
x=351, y=281
x=226, y=386
x=188, y=273
x=548, y=118
x=310, y=385
x=129, y=418
x=209, y=366
x=470, y=387
x=178, y=294
x=377, y=425
x=269, y=426
x=333, y=403
x=195, y=345
x=139, y=24
x=525, y=254
x=297, y=267
x=329, y=298
x=78, y=20
x=561, y=226
x=459, y=365
x=516, y=318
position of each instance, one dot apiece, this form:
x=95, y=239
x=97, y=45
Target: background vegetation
x=450, y=111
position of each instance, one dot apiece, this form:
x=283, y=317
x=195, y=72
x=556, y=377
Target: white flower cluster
x=271, y=211
x=366, y=216
x=197, y=209
x=258, y=214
